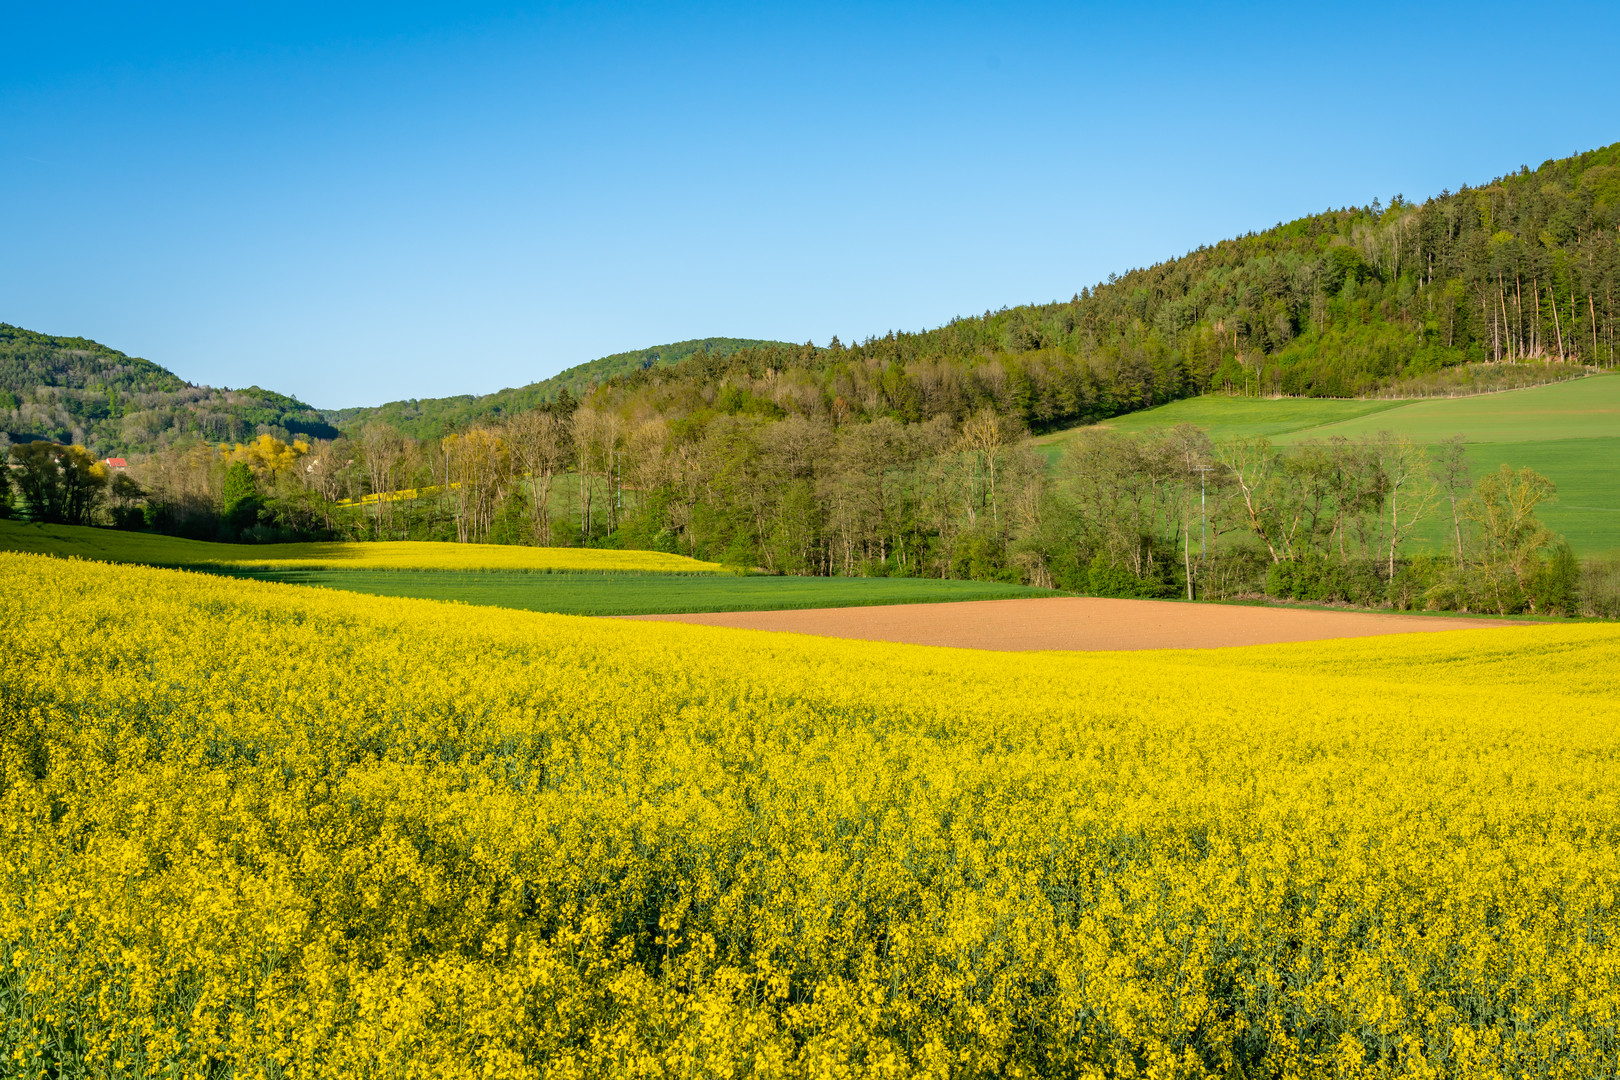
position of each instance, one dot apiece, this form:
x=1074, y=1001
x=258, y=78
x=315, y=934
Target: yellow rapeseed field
x=153, y=550
x=253, y=830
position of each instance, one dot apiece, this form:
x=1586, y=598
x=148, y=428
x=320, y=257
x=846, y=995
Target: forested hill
x=73, y=390
x=1350, y=302
x=428, y=418
x=1346, y=303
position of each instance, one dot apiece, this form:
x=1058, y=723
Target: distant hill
x=426, y=418
x=74, y=390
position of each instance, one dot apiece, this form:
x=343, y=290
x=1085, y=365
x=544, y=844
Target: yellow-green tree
x=1509, y=537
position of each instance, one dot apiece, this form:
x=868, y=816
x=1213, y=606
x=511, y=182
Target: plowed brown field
x=1067, y=622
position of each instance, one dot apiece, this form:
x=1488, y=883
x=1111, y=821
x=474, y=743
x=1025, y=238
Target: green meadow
x=1580, y=409
x=1567, y=431
x=1230, y=418
x=1586, y=511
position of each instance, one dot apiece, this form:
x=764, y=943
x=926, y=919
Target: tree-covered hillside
x=432, y=417
x=73, y=390
x=1346, y=303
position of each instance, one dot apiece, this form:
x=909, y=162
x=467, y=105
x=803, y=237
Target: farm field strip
x=583, y=593
x=148, y=549
x=1074, y=623
x=302, y=832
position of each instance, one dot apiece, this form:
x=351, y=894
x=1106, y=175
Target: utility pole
x=1203, y=530
x=1203, y=511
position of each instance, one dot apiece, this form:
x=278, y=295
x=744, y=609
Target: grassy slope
x=648, y=594
x=1567, y=431
x=1227, y=418
x=1580, y=409
x=109, y=545
x=1583, y=408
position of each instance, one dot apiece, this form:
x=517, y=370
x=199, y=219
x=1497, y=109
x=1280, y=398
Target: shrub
x=1600, y=588
x=1413, y=581
x=1555, y=587
x=1314, y=579
x=1104, y=578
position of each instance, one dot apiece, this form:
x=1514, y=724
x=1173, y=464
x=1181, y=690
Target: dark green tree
x=59, y=485
x=240, y=501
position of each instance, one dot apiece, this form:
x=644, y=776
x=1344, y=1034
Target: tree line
x=1157, y=515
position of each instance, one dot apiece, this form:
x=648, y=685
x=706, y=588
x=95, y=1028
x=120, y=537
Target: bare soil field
x=1079, y=623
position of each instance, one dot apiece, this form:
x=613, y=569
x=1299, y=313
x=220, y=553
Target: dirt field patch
x=1079, y=623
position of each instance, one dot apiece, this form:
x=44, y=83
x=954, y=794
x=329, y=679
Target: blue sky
x=359, y=203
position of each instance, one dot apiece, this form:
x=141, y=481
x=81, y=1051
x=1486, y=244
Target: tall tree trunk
x=1501, y=299
x=1518, y=311
x=1535, y=327
x=1496, y=340
x=1394, y=526
x=1557, y=329
x=1592, y=305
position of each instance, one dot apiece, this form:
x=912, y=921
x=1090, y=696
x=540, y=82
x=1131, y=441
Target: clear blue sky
x=361, y=203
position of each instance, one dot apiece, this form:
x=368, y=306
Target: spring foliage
x=263, y=831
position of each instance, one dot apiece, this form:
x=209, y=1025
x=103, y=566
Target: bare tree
x=479, y=465
x=383, y=453
x=1450, y=471
x=541, y=444
x=1253, y=469
x=1187, y=455
x=597, y=434
x=326, y=471
x=985, y=435
x=1412, y=491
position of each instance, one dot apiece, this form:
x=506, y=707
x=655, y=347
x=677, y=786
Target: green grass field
x=1230, y=418
x=1580, y=409
x=643, y=594
x=1567, y=431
